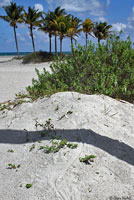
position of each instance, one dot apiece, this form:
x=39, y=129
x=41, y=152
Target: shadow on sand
x=115, y=148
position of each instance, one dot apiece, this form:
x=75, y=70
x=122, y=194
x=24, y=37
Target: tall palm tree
x=47, y=28
x=63, y=26
x=53, y=16
x=74, y=29
x=101, y=31
x=87, y=27
x=33, y=19
x=14, y=16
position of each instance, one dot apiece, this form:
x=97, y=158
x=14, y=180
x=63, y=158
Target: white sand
x=99, y=125
x=15, y=76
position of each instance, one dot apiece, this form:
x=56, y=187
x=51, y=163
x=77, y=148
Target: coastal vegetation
x=107, y=68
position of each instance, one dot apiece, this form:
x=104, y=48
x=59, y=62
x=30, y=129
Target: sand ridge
x=100, y=125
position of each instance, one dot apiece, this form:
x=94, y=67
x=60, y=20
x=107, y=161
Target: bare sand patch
x=15, y=76
x=100, y=125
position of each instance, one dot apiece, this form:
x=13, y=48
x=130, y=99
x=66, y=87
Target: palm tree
x=47, y=28
x=33, y=19
x=63, y=27
x=87, y=28
x=101, y=31
x=14, y=16
x=74, y=29
x=53, y=16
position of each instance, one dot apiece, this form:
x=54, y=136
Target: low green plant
x=69, y=112
x=87, y=159
x=11, y=151
x=37, y=57
x=42, y=147
x=57, y=145
x=44, y=134
x=47, y=126
x=57, y=108
x=72, y=146
x=29, y=185
x=32, y=147
x=107, y=68
x=9, y=105
x=12, y=166
x=60, y=118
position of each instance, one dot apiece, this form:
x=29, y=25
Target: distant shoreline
x=24, y=53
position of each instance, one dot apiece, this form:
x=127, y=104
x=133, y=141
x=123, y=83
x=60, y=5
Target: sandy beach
x=34, y=165
x=15, y=76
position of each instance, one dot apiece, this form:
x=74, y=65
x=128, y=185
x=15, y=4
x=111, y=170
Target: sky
x=118, y=13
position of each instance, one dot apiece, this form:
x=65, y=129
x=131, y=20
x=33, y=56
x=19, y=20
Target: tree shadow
x=115, y=148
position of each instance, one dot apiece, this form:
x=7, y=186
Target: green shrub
x=107, y=69
x=37, y=57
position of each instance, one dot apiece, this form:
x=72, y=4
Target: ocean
x=24, y=53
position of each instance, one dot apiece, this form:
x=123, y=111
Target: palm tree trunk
x=31, y=34
x=71, y=44
x=86, y=39
x=16, y=41
x=55, y=44
x=50, y=43
x=60, y=45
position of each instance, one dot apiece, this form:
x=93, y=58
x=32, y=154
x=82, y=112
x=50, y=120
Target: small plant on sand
x=87, y=159
x=106, y=110
x=12, y=166
x=57, y=108
x=72, y=146
x=10, y=150
x=29, y=185
x=42, y=147
x=69, y=112
x=47, y=126
x=57, y=145
x=32, y=147
x=9, y=105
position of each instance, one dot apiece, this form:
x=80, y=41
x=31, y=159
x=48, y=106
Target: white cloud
x=38, y=7
x=102, y=19
x=119, y=26
x=4, y=2
x=131, y=19
x=94, y=7
x=108, y=3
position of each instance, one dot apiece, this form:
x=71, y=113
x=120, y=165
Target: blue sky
x=118, y=13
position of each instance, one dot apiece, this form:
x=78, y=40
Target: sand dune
x=100, y=125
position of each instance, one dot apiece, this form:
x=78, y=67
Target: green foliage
x=47, y=126
x=32, y=147
x=87, y=159
x=9, y=105
x=106, y=69
x=12, y=166
x=11, y=151
x=29, y=185
x=37, y=57
x=57, y=145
